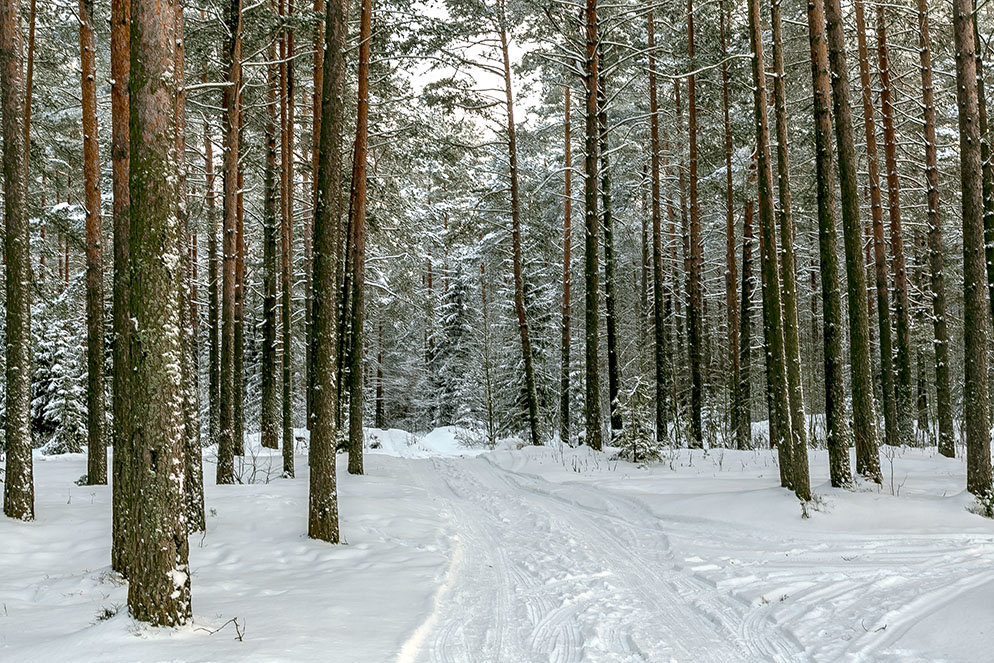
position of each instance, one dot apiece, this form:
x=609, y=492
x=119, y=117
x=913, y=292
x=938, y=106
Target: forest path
x=563, y=573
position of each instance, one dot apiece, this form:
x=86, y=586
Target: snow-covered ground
x=461, y=554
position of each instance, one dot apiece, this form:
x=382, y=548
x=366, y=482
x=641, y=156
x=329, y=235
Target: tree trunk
x=357, y=212
x=233, y=51
x=838, y=433
x=96, y=465
x=269, y=405
x=191, y=390
x=903, y=390
x=238, y=418
x=323, y=497
x=943, y=399
x=18, y=487
x=696, y=305
x=891, y=435
x=286, y=245
x=564, y=378
x=379, y=418
x=864, y=416
x=309, y=228
x=610, y=267
x=743, y=393
x=519, y=279
x=793, y=472
x=788, y=266
x=120, y=68
x=658, y=305
x=731, y=276
x=159, y=591
x=213, y=287
x=975, y=396
x=592, y=406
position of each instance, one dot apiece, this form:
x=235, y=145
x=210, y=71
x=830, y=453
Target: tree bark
x=658, y=305
x=975, y=396
x=18, y=487
x=318, y=77
x=227, y=441
x=903, y=390
x=592, y=405
x=943, y=404
x=743, y=393
x=357, y=212
x=159, y=591
x=793, y=471
x=286, y=245
x=788, y=265
x=323, y=497
x=213, y=287
x=864, y=416
x=96, y=455
x=891, y=435
x=836, y=415
x=695, y=309
x=731, y=273
x=120, y=68
x=564, y=378
x=269, y=405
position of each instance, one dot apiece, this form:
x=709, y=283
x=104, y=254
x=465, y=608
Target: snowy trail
x=566, y=573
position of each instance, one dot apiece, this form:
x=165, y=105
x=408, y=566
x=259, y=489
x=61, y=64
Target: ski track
x=567, y=573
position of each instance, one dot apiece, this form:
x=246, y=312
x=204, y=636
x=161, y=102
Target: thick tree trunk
x=227, y=440
x=323, y=497
x=891, y=435
x=836, y=414
x=788, y=265
x=28, y=90
x=943, y=399
x=159, y=591
x=120, y=68
x=564, y=377
x=592, y=405
x=96, y=465
x=357, y=212
x=793, y=471
x=903, y=390
x=610, y=266
x=695, y=308
x=18, y=486
x=975, y=396
x=658, y=305
x=864, y=415
x=269, y=404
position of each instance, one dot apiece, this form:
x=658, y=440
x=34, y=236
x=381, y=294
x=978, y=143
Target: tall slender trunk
x=96, y=464
x=903, y=390
x=695, y=308
x=943, y=399
x=213, y=287
x=159, y=591
x=610, y=267
x=233, y=50
x=891, y=435
x=194, y=485
x=357, y=212
x=793, y=471
x=864, y=415
x=238, y=428
x=975, y=396
x=18, y=487
x=788, y=265
x=268, y=406
x=592, y=406
x=658, y=305
x=743, y=394
x=286, y=241
x=838, y=433
x=322, y=520
x=378, y=417
x=120, y=69
x=318, y=77
x=731, y=276
x=564, y=379
x=519, y=279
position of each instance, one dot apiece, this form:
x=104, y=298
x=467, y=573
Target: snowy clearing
x=538, y=554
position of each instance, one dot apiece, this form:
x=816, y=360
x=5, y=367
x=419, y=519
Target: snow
x=457, y=553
